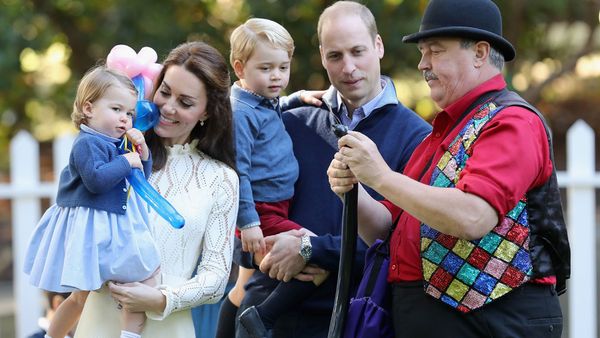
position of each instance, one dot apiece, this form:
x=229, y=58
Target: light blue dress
x=81, y=248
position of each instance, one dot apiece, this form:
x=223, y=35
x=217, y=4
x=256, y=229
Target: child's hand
x=137, y=138
x=134, y=160
x=312, y=97
x=253, y=240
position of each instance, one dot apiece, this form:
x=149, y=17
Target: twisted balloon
x=142, y=69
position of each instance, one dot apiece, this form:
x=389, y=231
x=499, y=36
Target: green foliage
x=89, y=28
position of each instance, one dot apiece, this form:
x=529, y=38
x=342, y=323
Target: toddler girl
x=98, y=229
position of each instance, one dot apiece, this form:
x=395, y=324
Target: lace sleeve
x=213, y=270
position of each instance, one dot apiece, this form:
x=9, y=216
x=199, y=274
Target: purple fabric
x=369, y=314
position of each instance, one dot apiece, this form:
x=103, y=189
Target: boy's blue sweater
x=395, y=129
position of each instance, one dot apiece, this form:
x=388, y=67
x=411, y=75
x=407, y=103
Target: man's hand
x=361, y=155
x=283, y=260
x=312, y=273
x=341, y=178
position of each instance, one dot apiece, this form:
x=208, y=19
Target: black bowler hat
x=474, y=19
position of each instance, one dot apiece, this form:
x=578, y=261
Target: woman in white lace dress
x=193, y=154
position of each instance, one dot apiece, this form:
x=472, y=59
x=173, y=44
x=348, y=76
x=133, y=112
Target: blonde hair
x=93, y=86
x=348, y=8
x=246, y=36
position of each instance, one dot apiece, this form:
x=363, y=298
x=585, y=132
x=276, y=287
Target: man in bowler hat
x=480, y=247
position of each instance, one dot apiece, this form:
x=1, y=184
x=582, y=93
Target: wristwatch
x=305, y=248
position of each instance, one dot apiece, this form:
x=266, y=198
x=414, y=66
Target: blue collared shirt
x=264, y=156
x=386, y=96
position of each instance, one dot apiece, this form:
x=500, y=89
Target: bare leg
x=67, y=314
x=134, y=321
x=236, y=294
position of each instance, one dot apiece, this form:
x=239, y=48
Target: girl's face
x=181, y=98
x=113, y=113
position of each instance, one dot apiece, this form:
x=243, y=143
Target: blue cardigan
x=95, y=176
x=395, y=129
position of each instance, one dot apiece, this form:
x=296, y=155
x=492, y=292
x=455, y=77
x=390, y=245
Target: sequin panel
x=452, y=263
x=463, y=248
x=457, y=290
x=435, y=253
x=496, y=267
x=506, y=251
x=490, y=242
x=474, y=299
x=467, y=274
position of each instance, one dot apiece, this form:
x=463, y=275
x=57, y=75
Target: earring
x=201, y=123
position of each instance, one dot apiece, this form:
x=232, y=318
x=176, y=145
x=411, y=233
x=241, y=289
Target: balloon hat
x=142, y=69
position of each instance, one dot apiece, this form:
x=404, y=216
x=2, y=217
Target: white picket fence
x=25, y=190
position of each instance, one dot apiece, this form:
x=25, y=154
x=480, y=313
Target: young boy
x=261, y=52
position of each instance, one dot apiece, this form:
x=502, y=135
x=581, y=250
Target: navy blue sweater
x=395, y=129
x=95, y=176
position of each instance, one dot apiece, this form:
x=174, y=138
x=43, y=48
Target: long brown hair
x=215, y=138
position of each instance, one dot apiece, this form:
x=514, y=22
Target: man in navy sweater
x=363, y=100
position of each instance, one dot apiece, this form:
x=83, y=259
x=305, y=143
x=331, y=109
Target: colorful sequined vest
x=468, y=274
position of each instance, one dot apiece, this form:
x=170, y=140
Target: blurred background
x=46, y=46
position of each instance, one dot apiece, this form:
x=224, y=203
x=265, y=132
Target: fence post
x=582, y=231
x=61, y=150
x=25, y=174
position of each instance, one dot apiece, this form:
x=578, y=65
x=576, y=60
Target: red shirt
x=510, y=157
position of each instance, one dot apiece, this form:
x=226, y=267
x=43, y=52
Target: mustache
x=429, y=75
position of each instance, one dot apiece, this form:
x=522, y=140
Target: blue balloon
x=154, y=199
x=146, y=112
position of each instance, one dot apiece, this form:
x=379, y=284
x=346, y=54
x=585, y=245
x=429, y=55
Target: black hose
x=347, y=253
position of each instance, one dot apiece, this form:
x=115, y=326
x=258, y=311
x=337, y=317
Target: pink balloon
x=125, y=59
x=152, y=70
x=133, y=67
x=148, y=87
x=148, y=55
x=119, y=57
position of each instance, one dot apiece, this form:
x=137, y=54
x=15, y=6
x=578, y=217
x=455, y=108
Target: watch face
x=305, y=249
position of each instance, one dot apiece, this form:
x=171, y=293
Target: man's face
x=351, y=57
x=448, y=69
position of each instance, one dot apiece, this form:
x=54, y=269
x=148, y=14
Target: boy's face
x=266, y=72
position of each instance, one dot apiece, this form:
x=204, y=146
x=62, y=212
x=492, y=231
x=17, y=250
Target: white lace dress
x=205, y=193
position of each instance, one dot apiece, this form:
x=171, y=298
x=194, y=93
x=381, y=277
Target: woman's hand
x=138, y=297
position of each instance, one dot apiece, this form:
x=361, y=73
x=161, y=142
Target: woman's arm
x=213, y=270
x=212, y=274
